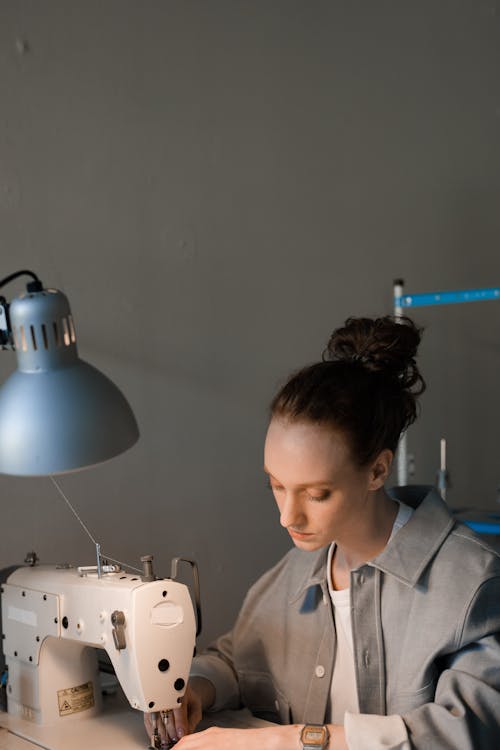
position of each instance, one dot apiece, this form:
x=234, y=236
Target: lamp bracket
x=5, y=332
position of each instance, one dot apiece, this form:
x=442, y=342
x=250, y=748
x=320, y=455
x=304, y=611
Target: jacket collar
x=410, y=550
x=314, y=564
x=414, y=546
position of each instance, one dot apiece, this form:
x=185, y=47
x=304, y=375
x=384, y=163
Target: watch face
x=314, y=736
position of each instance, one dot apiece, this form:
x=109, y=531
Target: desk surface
x=119, y=727
x=9, y=741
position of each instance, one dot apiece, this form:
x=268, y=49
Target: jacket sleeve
x=466, y=708
x=465, y=712
x=217, y=662
x=216, y=665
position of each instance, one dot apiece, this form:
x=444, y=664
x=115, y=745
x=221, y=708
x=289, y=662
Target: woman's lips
x=299, y=534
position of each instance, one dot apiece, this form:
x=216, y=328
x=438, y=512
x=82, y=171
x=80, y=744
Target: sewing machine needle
x=155, y=737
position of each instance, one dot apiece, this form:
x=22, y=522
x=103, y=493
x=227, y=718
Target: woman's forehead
x=305, y=446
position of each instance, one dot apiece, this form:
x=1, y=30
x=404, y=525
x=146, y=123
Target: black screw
x=56, y=620
x=38, y=639
x=15, y=653
x=164, y=593
x=31, y=658
x=45, y=597
x=65, y=622
x=179, y=684
x=163, y=665
x=24, y=593
x=151, y=704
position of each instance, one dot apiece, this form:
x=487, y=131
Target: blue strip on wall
x=483, y=528
x=447, y=298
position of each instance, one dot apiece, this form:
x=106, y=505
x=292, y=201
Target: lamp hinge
x=5, y=334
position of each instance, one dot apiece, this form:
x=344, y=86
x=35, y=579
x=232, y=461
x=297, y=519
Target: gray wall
x=216, y=185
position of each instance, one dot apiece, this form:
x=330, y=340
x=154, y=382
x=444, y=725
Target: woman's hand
x=199, y=695
x=279, y=737
x=268, y=738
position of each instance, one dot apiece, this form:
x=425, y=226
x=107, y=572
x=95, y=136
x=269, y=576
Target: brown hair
x=366, y=386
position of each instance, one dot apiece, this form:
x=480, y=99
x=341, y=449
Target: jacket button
x=367, y=659
x=319, y=671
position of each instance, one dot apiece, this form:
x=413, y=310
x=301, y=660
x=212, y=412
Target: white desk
x=119, y=727
x=9, y=741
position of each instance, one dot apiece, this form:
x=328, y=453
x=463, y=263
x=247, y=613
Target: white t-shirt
x=343, y=691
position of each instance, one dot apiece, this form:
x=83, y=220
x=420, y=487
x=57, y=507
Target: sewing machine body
x=54, y=617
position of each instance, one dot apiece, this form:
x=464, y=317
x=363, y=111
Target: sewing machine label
x=26, y=616
x=75, y=699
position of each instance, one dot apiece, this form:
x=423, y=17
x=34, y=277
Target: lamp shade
x=57, y=413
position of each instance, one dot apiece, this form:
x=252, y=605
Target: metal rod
x=442, y=477
x=402, y=453
x=94, y=541
x=402, y=301
x=58, y=488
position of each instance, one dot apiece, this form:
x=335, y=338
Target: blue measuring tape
x=447, y=298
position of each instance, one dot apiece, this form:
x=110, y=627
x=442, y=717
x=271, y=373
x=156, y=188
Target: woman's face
x=321, y=494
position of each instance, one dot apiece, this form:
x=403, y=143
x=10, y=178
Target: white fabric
x=343, y=691
x=366, y=731
x=361, y=729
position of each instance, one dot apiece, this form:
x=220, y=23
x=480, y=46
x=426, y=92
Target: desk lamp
x=57, y=413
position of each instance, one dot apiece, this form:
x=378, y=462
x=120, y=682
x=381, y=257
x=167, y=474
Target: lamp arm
x=15, y=275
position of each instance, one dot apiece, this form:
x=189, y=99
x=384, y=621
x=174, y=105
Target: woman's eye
x=320, y=498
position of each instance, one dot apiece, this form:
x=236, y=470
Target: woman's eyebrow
x=326, y=482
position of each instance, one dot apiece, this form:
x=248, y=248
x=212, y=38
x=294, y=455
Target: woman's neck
x=365, y=542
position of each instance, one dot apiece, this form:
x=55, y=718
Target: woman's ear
x=380, y=469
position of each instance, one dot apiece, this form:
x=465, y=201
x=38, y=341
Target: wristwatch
x=314, y=737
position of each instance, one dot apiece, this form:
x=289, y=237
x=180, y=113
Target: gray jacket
x=426, y=631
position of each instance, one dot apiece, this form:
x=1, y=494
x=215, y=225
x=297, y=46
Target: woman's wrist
x=289, y=736
x=336, y=739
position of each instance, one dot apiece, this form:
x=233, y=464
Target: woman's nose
x=290, y=511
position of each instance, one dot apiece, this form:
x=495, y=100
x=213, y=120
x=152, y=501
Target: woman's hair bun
x=382, y=345
x=366, y=387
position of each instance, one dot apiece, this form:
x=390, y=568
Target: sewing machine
x=53, y=619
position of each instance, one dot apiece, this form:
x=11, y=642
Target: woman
x=381, y=627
